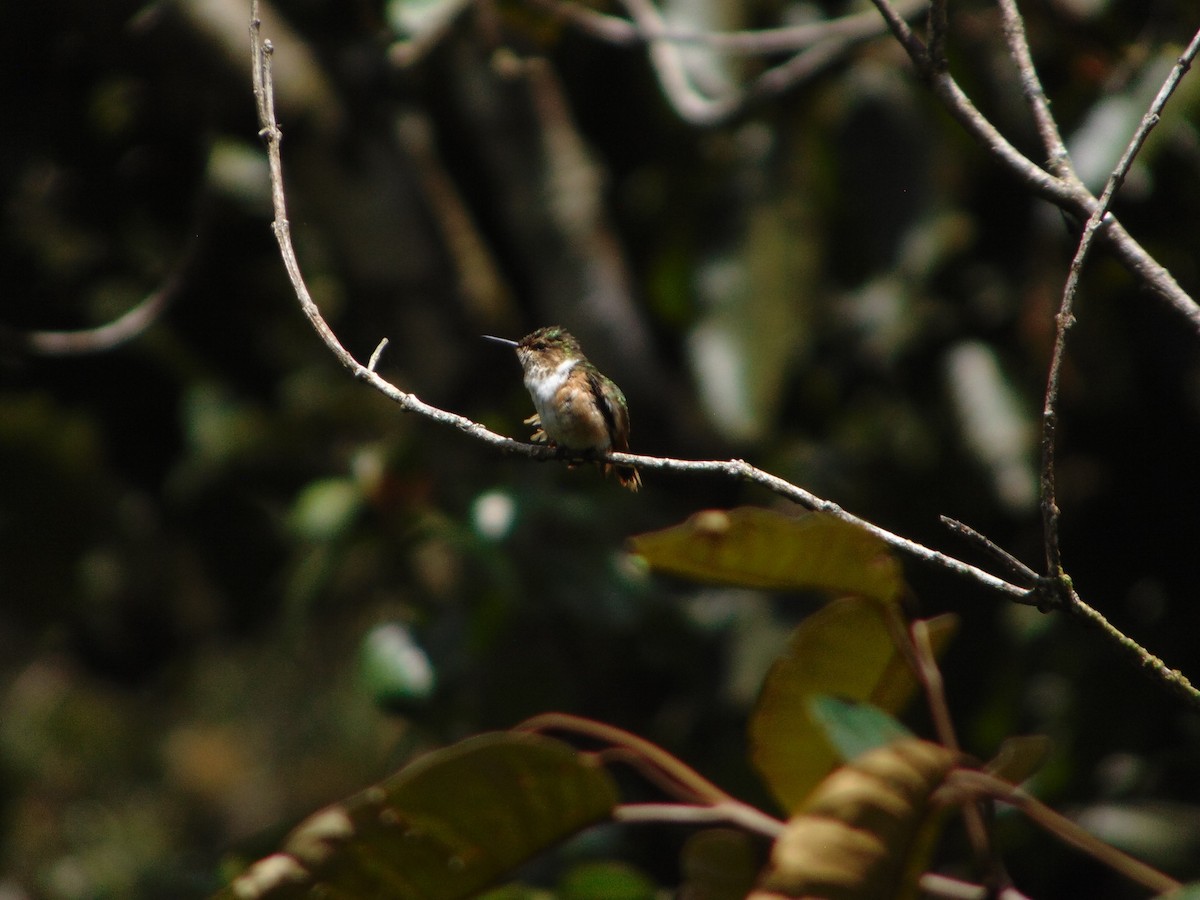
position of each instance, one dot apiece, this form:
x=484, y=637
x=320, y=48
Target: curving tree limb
x=734, y=469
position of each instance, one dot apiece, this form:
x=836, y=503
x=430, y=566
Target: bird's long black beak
x=499, y=340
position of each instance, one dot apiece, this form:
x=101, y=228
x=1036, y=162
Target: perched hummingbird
x=578, y=408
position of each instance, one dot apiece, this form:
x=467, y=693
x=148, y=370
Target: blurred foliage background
x=236, y=585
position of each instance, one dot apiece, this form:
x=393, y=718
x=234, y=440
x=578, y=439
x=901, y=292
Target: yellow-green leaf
x=444, y=827
x=761, y=548
x=845, y=650
x=853, y=837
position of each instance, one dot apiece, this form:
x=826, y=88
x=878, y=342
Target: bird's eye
x=539, y=345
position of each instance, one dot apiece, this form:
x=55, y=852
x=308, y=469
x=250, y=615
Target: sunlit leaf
x=718, y=864
x=845, y=650
x=852, y=838
x=445, y=826
x=761, y=548
x=854, y=728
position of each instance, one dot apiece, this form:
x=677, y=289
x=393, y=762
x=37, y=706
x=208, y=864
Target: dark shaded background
x=200, y=530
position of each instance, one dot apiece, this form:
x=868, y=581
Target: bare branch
x=734, y=814
x=93, y=340
x=1017, y=570
x=1031, y=86
x=734, y=469
x=616, y=30
x=947, y=888
x=963, y=783
x=120, y=330
x=667, y=771
x=684, y=780
x=1067, y=194
x=1176, y=681
x=924, y=662
x=823, y=47
x=373, y=362
x=1092, y=229
x=916, y=49
x=939, y=25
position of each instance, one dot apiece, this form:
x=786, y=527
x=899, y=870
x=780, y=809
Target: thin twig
x=1138, y=655
x=271, y=134
x=930, y=675
x=120, y=330
x=939, y=26
x=740, y=470
x=665, y=770
x=913, y=45
x=746, y=816
x=1017, y=570
x=785, y=39
x=373, y=362
x=1066, y=317
x=699, y=109
x=967, y=783
x=692, y=782
x=1067, y=194
x=104, y=337
x=947, y=888
x=652, y=773
x=1057, y=157
x=733, y=469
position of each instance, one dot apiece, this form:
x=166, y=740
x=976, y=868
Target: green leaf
x=844, y=649
x=761, y=548
x=444, y=827
x=606, y=881
x=324, y=509
x=394, y=668
x=854, y=728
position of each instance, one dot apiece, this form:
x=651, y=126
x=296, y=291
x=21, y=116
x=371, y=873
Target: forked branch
x=1059, y=186
x=734, y=469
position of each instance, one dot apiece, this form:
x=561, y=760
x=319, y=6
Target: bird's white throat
x=544, y=385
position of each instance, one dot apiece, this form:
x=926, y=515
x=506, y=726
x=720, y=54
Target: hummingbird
x=578, y=408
